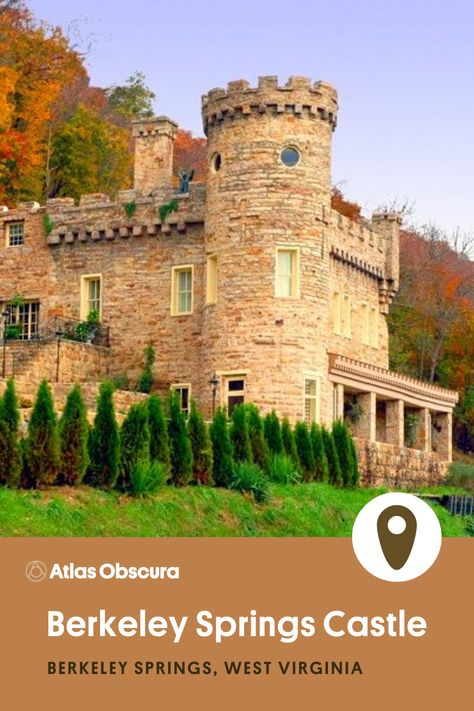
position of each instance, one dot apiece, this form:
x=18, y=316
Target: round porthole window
x=216, y=162
x=290, y=157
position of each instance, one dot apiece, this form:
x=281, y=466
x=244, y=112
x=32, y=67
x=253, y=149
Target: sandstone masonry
x=253, y=290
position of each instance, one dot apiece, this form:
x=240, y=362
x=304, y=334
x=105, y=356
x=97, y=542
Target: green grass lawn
x=298, y=510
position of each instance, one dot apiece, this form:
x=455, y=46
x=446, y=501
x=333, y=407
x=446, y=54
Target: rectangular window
x=15, y=234
x=91, y=295
x=287, y=273
x=184, y=392
x=374, y=327
x=311, y=400
x=211, y=284
x=24, y=320
x=182, y=290
x=235, y=392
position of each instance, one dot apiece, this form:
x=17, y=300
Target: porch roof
x=389, y=385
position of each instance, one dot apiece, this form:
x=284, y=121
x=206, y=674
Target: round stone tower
x=268, y=192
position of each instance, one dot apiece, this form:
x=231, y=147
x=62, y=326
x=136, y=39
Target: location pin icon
x=396, y=547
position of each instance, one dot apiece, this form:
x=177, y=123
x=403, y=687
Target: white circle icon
x=396, y=537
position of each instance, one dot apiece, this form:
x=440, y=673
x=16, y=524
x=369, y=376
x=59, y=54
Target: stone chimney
x=153, y=153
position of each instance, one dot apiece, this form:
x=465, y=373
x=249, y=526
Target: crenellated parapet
x=299, y=97
x=131, y=215
x=370, y=247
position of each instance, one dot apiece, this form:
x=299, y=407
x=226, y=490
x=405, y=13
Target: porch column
x=423, y=433
x=444, y=440
x=338, y=401
x=366, y=426
x=395, y=425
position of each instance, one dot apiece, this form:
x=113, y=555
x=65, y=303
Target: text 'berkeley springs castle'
x=253, y=289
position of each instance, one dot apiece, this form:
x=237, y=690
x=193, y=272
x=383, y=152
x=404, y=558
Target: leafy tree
x=73, y=434
x=201, y=446
x=190, y=153
x=260, y=452
x=223, y=464
x=43, y=438
x=239, y=434
x=159, y=441
x=272, y=430
x=134, y=444
x=305, y=450
x=10, y=452
x=289, y=443
x=104, y=442
x=319, y=453
x=133, y=100
x=37, y=64
x=89, y=155
x=334, y=467
x=180, y=445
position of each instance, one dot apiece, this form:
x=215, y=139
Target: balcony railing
x=96, y=334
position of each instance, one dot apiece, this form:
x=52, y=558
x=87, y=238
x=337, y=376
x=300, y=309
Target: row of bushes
x=156, y=444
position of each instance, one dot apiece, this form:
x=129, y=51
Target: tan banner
x=230, y=624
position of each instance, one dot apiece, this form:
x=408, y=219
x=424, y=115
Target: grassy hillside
x=302, y=510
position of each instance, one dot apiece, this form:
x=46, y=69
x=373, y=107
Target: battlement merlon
x=154, y=139
x=299, y=96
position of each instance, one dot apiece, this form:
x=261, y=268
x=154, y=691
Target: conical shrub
x=334, y=467
x=10, y=450
x=159, y=440
x=239, y=434
x=104, y=442
x=180, y=445
x=305, y=450
x=319, y=454
x=222, y=451
x=272, y=430
x=43, y=439
x=289, y=442
x=342, y=440
x=260, y=451
x=201, y=446
x=134, y=444
x=73, y=434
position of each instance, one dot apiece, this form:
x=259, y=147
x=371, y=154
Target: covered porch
x=410, y=419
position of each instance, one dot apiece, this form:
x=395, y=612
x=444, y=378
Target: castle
x=252, y=290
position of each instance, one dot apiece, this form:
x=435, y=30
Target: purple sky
x=404, y=72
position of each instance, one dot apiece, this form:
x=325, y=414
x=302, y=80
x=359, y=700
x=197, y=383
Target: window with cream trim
x=287, y=272
x=91, y=295
x=211, y=280
x=15, y=233
x=311, y=399
x=182, y=278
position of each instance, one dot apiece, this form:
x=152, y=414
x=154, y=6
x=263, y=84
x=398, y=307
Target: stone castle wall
x=398, y=467
x=251, y=205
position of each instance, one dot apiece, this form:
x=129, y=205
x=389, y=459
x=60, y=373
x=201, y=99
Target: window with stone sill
x=91, y=295
x=235, y=392
x=15, y=232
x=25, y=316
x=182, y=290
x=287, y=272
x=311, y=400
